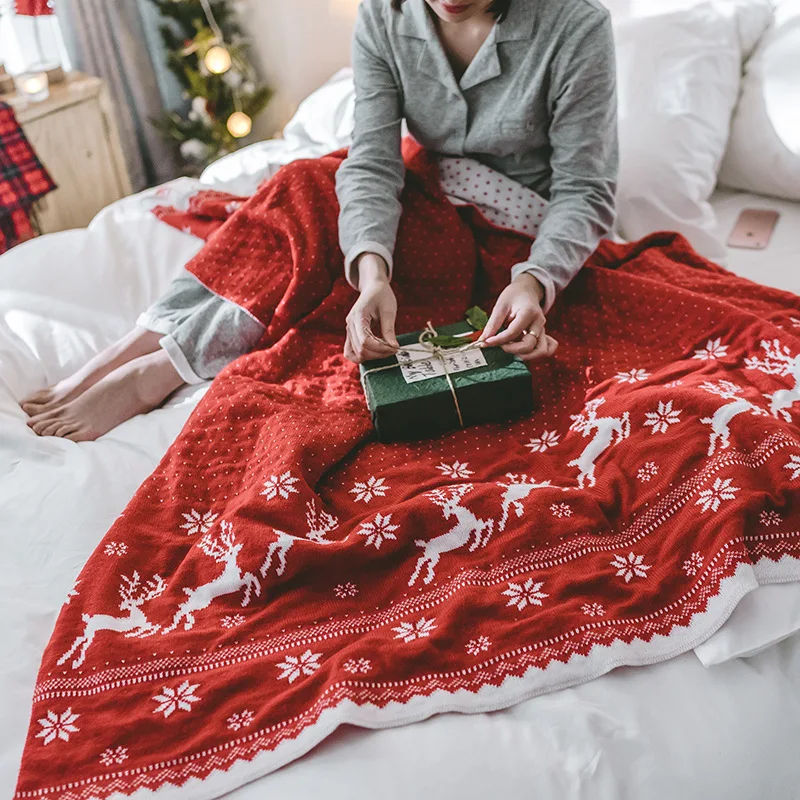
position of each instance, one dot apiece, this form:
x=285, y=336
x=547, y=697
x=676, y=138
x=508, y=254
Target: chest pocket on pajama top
x=517, y=135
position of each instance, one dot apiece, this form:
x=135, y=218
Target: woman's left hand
x=519, y=307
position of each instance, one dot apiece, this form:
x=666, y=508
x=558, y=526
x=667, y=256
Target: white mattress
x=665, y=731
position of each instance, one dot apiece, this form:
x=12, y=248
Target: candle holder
x=33, y=86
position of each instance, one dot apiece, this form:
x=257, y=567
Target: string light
x=239, y=124
x=217, y=60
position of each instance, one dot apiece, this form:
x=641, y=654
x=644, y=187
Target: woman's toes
x=34, y=406
x=82, y=434
x=50, y=428
x=63, y=431
x=42, y=421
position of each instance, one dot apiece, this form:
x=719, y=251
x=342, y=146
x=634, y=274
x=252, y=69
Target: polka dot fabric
x=281, y=573
x=502, y=201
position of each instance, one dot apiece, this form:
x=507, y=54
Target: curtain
x=107, y=38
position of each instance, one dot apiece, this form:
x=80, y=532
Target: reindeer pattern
x=467, y=528
x=778, y=360
x=133, y=595
x=721, y=420
x=468, y=532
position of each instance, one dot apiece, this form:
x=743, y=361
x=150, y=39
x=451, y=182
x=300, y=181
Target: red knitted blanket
x=281, y=573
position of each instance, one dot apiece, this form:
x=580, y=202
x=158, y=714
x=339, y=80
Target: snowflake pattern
x=371, y=488
x=113, y=755
x=713, y=350
x=634, y=376
x=541, y=443
x=721, y=490
x=233, y=206
x=647, y=472
x=280, y=486
x=770, y=518
x=561, y=510
x=693, y=564
x=661, y=420
x=57, y=726
x=357, y=666
x=73, y=592
x=294, y=666
x=344, y=590
x=378, y=530
x=593, y=610
x=523, y=595
x=477, y=646
x=455, y=470
x=673, y=384
x=232, y=620
x=409, y=631
x=794, y=465
x=241, y=719
x=115, y=549
x=630, y=567
x=180, y=698
x=197, y=522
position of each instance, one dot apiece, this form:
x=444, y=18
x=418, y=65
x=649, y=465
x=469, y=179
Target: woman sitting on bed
x=526, y=88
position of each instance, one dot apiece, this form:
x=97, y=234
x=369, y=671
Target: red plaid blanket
x=35, y=8
x=281, y=573
x=23, y=180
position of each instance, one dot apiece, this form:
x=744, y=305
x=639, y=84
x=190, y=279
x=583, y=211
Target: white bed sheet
x=664, y=731
x=779, y=264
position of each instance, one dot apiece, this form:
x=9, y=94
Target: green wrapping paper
x=497, y=392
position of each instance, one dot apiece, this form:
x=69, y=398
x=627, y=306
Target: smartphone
x=754, y=228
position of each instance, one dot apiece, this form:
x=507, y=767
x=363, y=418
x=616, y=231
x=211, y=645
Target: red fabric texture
x=282, y=573
x=23, y=180
x=35, y=8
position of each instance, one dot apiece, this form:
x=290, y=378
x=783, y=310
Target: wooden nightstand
x=75, y=135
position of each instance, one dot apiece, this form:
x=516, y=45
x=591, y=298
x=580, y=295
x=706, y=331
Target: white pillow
x=764, y=149
x=764, y=617
x=678, y=77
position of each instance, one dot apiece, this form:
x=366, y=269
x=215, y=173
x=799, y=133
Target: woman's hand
x=376, y=303
x=519, y=307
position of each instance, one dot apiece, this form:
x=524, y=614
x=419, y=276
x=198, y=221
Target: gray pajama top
x=537, y=103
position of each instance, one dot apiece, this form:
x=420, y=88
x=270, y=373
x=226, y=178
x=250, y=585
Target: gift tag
x=419, y=366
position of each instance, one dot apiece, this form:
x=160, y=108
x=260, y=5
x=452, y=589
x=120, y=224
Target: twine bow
x=424, y=344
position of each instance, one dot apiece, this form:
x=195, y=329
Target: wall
x=298, y=45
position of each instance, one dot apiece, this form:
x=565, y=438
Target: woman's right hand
x=376, y=303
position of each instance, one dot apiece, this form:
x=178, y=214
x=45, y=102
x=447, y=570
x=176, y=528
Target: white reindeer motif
x=135, y=624
x=319, y=522
x=225, y=551
x=467, y=526
x=609, y=430
x=779, y=361
x=516, y=490
x=720, y=422
x=280, y=547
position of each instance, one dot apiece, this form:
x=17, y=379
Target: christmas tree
x=207, y=53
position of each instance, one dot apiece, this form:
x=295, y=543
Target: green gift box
x=495, y=391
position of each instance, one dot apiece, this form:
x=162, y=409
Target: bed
x=674, y=729
x=671, y=729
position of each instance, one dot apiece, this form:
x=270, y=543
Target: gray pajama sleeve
x=583, y=135
x=370, y=181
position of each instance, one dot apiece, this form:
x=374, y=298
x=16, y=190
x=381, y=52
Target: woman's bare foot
x=139, y=342
x=134, y=388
